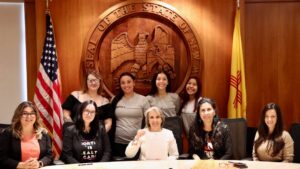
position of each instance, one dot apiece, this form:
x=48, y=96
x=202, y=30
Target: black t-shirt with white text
x=88, y=148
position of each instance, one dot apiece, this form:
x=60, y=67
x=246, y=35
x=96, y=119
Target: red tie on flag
x=237, y=95
x=47, y=96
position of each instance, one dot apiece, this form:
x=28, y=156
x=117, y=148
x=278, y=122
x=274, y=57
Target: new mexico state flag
x=237, y=93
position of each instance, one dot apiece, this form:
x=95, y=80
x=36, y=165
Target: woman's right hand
x=140, y=133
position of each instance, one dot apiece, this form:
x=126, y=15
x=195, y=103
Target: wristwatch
x=41, y=164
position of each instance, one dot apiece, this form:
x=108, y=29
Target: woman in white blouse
x=155, y=142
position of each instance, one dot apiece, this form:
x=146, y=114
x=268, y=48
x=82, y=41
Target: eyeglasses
x=88, y=112
x=93, y=81
x=26, y=114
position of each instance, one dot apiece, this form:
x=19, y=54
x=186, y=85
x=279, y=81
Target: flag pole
x=47, y=96
x=237, y=101
x=47, y=6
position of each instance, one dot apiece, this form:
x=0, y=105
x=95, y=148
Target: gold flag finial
x=47, y=6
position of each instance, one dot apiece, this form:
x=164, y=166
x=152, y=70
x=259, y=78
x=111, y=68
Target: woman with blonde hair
x=155, y=142
x=25, y=144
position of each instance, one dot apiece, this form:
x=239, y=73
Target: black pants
x=118, y=150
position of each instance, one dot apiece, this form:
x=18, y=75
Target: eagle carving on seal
x=148, y=55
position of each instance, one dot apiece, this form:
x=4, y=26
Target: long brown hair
x=16, y=120
x=198, y=121
x=263, y=130
x=80, y=122
x=98, y=76
x=154, y=89
x=185, y=96
x=119, y=96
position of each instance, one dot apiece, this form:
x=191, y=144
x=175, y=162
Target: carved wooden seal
x=142, y=37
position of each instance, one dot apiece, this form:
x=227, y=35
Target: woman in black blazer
x=209, y=138
x=25, y=144
x=86, y=141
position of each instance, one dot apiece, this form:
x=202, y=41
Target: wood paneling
x=163, y=43
x=271, y=36
x=31, y=55
x=272, y=39
x=212, y=21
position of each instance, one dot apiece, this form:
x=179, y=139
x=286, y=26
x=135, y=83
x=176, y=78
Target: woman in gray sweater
x=129, y=108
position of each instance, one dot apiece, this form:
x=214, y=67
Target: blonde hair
x=156, y=110
x=16, y=121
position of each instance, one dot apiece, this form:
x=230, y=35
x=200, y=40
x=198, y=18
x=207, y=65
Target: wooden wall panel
x=212, y=21
x=31, y=54
x=272, y=39
x=271, y=36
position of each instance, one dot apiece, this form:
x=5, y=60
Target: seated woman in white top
x=155, y=142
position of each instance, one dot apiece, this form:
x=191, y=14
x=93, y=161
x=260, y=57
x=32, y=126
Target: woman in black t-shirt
x=86, y=140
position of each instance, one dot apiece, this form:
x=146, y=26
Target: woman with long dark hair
x=271, y=142
x=190, y=97
x=129, y=108
x=161, y=96
x=209, y=138
x=86, y=140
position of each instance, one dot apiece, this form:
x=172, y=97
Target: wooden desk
x=171, y=164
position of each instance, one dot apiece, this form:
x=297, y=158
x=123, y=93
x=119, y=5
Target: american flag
x=47, y=96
